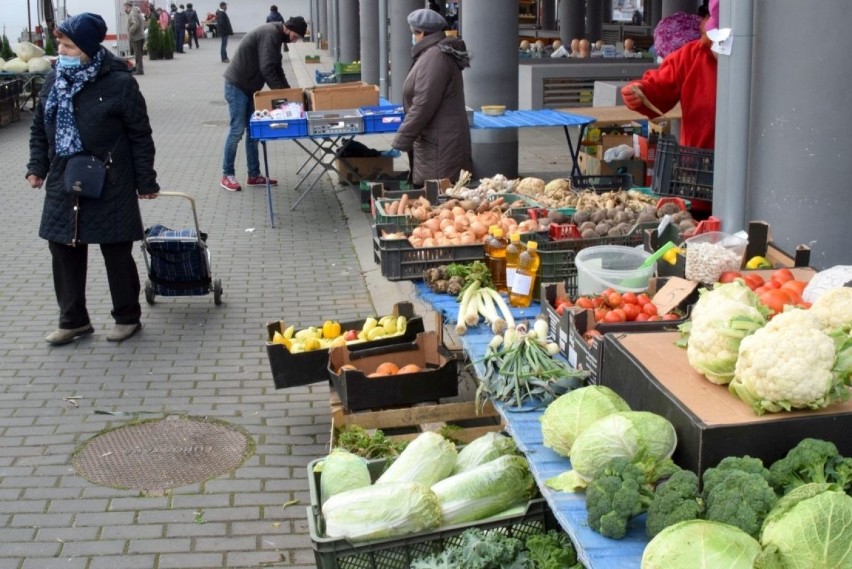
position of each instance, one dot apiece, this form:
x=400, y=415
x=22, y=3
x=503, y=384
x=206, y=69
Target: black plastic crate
x=399, y=552
x=682, y=171
x=602, y=183
x=400, y=261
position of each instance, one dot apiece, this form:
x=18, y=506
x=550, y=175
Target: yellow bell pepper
x=312, y=344
x=330, y=329
x=670, y=256
x=758, y=262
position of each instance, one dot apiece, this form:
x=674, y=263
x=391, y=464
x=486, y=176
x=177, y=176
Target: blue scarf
x=60, y=102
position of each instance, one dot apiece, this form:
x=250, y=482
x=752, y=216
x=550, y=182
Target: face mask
x=68, y=60
x=413, y=39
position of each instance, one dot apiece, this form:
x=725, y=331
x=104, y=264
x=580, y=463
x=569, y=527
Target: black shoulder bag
x=85, y=174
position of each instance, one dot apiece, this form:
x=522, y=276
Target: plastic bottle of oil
x=495, y=251
x=513, y=253
x=524, y=283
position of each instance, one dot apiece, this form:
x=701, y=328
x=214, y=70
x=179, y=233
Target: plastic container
x=710, y=254
x=523, y=287
x=612, y=266
x=495, y=252
x=513, y=254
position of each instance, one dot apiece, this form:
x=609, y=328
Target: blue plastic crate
x=382, y=118
x=278, y=128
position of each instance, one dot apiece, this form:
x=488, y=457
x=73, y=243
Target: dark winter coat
x=258, y=60
x=111, y=114
x=223, y=24
x=179, y=20
x=192, y=20
x=274, y=17
x=435, y=128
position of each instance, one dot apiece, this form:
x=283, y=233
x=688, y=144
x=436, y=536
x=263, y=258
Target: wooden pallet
x=405, y=423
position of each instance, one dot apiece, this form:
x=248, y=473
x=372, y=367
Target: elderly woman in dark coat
x=91, y=104
x=435, y=130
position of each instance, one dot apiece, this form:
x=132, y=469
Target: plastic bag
x=27, y=51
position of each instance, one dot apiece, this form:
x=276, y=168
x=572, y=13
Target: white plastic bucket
x=612, y=266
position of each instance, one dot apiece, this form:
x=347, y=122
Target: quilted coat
x=435, y=129
x=111, y=117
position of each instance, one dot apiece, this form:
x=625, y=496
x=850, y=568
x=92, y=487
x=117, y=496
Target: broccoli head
x=804, y=463
x=838, y=471
x=741, y=463
x=675, y=500
x=738, y=498
x=617, y=496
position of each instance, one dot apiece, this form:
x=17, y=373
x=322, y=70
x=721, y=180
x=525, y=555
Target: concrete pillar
x=606, y=11
x=331, y=15
x=369, y=18
x=594, y=13
x=799, y=169
x=322, y=16
x=672, y=6
x=400, y=44
x=349, y=38
x=656, y=13
x=492, y=79
x=548, y=14
x=572, y=14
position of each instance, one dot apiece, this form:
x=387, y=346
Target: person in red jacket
x=687, y=75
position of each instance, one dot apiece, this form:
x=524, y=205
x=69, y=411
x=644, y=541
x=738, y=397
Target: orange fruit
x=387, y=368
x=410, y=368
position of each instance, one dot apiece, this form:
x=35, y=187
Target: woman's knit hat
x=86, y=30
x=426, y=20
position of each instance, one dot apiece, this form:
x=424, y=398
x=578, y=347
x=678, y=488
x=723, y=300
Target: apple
x=350, y=335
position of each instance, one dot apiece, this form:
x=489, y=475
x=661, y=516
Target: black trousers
x=192, y=37
x=70, y=265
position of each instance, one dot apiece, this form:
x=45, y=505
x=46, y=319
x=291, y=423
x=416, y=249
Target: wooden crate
x=405, y=423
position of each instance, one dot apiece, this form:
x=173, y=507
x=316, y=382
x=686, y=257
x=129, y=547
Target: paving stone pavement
x=192, y=357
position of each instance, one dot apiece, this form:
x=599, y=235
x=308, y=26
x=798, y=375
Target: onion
x=444, y=223
x=461, y=223
x=432, y=225
x=479, y=229
x=467, y=239
x=446, y=214
x=428, y=242
x=416, y=242
x=458, y=211
x=450, y=232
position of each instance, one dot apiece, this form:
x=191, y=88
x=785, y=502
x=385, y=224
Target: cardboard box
x=592, y=166
x=438, y=379
x=652, y=374
x=353, y=170
x=608, y=93
x=294, y=370
x=342, y=96
x=275, y=98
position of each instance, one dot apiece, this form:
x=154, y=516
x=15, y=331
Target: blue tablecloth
x=526, y=119
x=594, y=550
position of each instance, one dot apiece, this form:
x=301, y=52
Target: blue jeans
x=240, y=107
x=223, y=50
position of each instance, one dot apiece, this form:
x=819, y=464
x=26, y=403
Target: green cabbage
x=484, y=449
x=701, y=543
x=380, y=511
x=570, y=414
x=341, y=471
x=638, y=436
x=427, y=459
x=810, y=527
x=486, y=490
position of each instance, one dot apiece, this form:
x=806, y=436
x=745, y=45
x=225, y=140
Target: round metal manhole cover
x=163, y=453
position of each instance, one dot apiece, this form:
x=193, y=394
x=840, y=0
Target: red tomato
x=670, y=316
x=584, y=302
x=654, y=318
x=600, y=314
x=775, y=300
x=616, y=315
x=796, y=286
x=753, y=281
x=629, y=298
x=561, y=309
x=783, y=275
x=772, y=284
x=614, y=299
x=643, y=299
x=650, y=309
x=590, y=337
x=608, y=291
x=597, y=301
x=642, y=317
x=729, y=276
x=631, y=311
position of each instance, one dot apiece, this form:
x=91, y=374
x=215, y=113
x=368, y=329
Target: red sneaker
x=260, y=181
x=230, y=183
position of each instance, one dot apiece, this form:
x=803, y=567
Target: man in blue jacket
x=256, y=63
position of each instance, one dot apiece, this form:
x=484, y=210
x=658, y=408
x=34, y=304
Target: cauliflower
x=530, y=186
x=721, y=318
x=787, y=365
x=833, y=308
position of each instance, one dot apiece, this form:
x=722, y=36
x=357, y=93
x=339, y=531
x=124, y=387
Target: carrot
x=403, y=203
